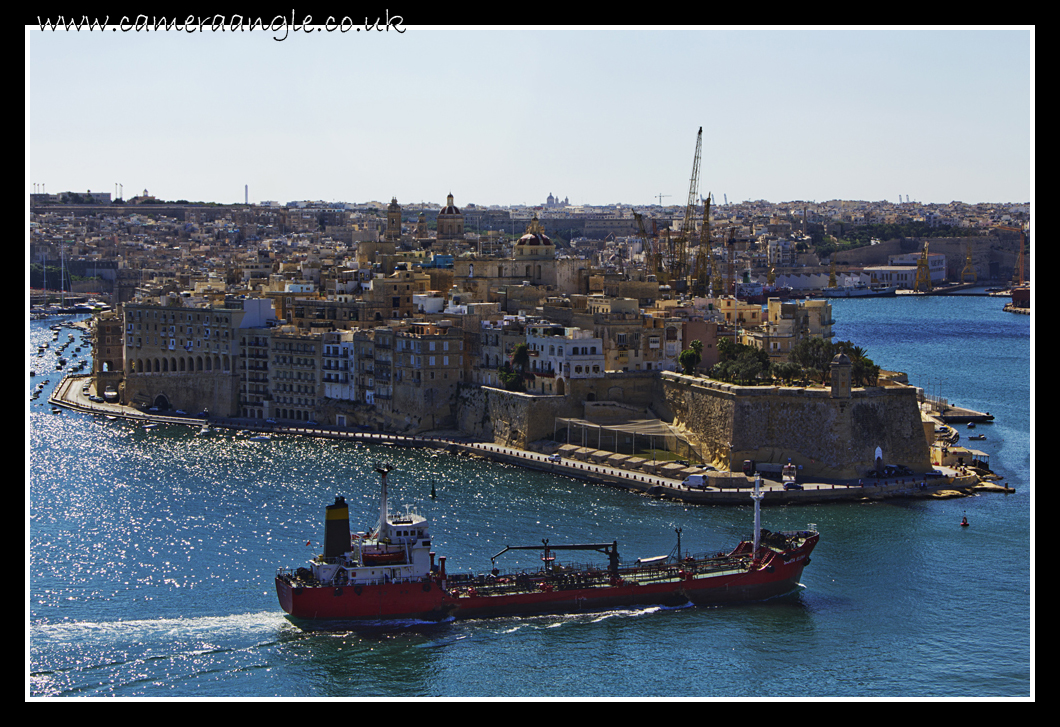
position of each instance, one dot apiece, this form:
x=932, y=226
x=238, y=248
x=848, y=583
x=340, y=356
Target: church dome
x=535, y=235
x=449, y=208
x=531, y=238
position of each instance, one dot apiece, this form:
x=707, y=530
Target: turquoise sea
x=151, y=558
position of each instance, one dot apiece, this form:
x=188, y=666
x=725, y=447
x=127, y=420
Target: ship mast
x=382, y=501
x=757, y=496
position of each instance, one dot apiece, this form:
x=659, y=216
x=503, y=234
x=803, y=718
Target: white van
x=696, y=481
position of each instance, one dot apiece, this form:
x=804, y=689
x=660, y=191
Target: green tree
x=521, y=357
x=512, y=380
x=513, y=372
x=863, y=372
x=814, y=354
x=742, y=364
x=786, y=371
x=690, y=357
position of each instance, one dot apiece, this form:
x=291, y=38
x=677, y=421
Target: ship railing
x=570, y=577
x=527, y=582
x=673, y=571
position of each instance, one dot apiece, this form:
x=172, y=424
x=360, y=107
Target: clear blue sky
x=506, y=116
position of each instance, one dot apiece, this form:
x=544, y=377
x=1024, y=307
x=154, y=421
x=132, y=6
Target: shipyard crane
x=969, y=269
x=701, y=268
x=679, y=257
x=650, y=249
x=730, y=282
x=923, y=273
x=1018, y=273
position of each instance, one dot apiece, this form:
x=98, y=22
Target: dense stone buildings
x=341, y=316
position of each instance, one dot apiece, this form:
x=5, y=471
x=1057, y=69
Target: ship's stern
x=284, y=592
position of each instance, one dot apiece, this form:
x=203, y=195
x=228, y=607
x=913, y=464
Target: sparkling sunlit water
x=152, y=556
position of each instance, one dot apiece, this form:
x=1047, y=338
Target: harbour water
x=151, y=558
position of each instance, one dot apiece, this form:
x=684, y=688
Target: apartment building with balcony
x=337, y=366
x=497, y=340
x=295, y=362
x=559, y=354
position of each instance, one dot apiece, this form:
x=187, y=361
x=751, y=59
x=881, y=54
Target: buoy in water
x=964, y=522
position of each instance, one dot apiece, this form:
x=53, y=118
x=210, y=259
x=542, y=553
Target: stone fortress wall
x=830, y=437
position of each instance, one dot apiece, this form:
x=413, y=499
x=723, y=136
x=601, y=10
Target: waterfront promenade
x=635, y=474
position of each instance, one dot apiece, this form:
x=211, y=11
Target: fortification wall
x=190, y=391
x=508, y=417
x=516, y=419
x=997, y=251
x=829, y=437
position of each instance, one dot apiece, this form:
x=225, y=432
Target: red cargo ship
x=391, y=573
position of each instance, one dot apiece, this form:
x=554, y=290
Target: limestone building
x=182, y=357
x=393, y=222
x=294, y=374
x=450, y=222
x=789, y=322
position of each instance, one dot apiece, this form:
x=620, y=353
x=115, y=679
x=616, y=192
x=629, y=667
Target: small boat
x=971, y=425
x=977, y=436
x=261, y=438
x=150, y=425
x=205, y=429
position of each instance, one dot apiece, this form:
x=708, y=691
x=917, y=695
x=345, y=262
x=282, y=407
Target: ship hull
x=427, y=600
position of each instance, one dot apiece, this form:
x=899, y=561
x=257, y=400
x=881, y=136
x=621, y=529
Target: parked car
x=555, y=458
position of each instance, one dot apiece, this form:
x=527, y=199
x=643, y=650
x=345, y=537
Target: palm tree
x=521, y=357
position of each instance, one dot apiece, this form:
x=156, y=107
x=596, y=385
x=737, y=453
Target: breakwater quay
x=723, y=488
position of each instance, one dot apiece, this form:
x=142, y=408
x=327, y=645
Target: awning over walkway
x=643, y=427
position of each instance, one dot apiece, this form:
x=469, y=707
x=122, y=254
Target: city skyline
x=507, y=116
